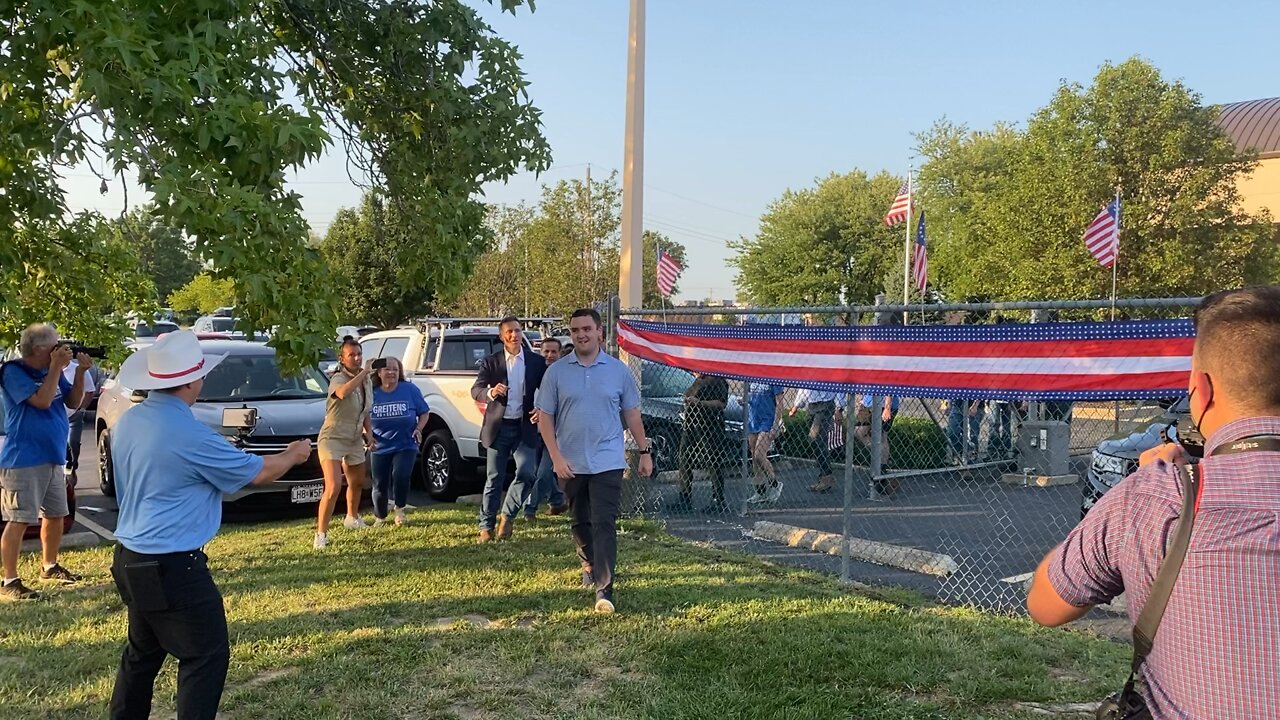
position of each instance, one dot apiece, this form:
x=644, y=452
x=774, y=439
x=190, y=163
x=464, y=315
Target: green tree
x=822, y=245
x=1013, y=207
x=163, y=253
x=363, y=249
x=559, y=256
x=203, y=295
x=211, y=103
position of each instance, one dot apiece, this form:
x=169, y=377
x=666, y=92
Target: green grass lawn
x=419, y=622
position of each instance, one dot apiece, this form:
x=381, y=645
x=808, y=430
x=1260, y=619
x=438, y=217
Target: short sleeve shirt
x=1217, y=650
x=344, y=418
x=171, y=472
x=395, y=415
x=89, y=387
x=762, y=403
x=34, y=436
x=587, y=402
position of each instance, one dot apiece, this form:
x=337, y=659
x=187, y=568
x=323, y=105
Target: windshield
x=222, y=325
x=663, y=381
x=257, y=377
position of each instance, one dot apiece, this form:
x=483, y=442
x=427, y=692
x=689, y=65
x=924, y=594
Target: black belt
x=197, y=554
x=515, y=421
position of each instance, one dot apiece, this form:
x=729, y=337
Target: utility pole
x=631, y=261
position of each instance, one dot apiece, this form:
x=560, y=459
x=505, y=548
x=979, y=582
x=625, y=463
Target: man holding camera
x=171, y=473
x=1217, y=644
x=37, y=398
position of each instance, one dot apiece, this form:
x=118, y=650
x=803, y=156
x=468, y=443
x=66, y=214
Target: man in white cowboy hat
x=171, y=473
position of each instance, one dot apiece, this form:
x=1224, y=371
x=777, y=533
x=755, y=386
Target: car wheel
x=439, y=465
x=106, y=470
x=664, y=442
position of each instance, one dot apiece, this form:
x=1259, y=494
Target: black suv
x=662, y=407
x=1116, y=458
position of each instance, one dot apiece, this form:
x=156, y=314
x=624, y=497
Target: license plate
x=306, y=493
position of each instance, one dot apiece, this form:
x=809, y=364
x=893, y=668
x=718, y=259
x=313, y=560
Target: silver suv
x=289, y=408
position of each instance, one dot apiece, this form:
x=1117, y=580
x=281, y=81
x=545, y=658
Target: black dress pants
x=174, y=609
x=596, y=500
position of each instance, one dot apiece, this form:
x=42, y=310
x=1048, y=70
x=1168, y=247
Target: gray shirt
x=587, y=402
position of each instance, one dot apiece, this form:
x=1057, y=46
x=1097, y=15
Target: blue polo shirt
x=587, y=402
x=171, y=472
x=34, y=436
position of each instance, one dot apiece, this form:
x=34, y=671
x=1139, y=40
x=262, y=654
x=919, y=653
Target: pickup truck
x=439, y=355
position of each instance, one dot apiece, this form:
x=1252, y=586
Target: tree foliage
x=558, y=256
x=163, y=253
x=820, y=245
x=211, y=103
x=1008, y=209
x=202, y=295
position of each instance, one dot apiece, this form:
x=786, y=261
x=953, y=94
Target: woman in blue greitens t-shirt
x=398, y=415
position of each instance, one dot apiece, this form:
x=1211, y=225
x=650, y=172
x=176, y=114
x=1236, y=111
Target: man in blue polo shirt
x=580, y=403
x=36, y=398
x=171, y=473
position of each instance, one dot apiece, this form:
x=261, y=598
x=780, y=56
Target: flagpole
x=1115, y=262
x=662, y=298
x=906, y=253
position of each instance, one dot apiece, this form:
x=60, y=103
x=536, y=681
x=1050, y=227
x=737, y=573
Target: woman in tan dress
x=344, y=437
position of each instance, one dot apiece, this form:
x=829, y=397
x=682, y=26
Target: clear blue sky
x=747, y=98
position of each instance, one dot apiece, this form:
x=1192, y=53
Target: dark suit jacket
x=493, y=370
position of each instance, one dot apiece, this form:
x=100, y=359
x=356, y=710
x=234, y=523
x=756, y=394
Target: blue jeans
x=957, y=414
x=391, y=472
x=546, y=488
x=76, y=421
x=506, y=446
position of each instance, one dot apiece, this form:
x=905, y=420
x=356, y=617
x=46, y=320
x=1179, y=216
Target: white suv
x=445, y=372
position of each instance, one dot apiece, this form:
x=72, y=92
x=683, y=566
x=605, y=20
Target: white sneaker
x=379, y=522
x=604, y=606
x=775, y=492
x=400, y=519
x=354, y=523
x=756, y=499
x=321, y=541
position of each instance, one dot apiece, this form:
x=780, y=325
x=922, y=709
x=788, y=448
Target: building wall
x=1261, y=189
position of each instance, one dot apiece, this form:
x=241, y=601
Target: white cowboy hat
x=173, y=360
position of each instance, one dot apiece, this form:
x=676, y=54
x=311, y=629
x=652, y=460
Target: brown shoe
x=557, y=509
x=824, y=485
x=505, y=526
x=485, y=536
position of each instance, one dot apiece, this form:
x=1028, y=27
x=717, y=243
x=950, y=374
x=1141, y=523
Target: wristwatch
x=647, y=450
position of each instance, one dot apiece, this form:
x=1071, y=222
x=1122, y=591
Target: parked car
x=1116, y=458
x=440, y=357
x=215, y=324
x=289, y=408
x=662, y=391
x=33, y=530
x=151, y=331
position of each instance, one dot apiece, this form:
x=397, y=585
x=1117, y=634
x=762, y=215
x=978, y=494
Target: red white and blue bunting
x=1042, y=361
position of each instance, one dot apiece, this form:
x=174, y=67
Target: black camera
x=76, y=348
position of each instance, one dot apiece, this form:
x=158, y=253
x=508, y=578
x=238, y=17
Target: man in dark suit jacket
x=507, y=381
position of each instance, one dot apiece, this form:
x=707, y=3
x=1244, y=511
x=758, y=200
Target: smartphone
x=379, y=364
x=242, y=418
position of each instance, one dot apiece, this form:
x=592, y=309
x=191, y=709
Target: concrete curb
x=70, y=540
x=899, y=556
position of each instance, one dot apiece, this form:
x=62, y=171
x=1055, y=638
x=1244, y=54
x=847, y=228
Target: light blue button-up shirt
x=171, y=471
x=587, y=402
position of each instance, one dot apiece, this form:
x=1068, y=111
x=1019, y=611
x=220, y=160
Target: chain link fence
x=956, y=498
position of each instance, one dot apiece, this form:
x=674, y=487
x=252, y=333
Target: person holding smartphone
x=340, y=444
x=398, y=415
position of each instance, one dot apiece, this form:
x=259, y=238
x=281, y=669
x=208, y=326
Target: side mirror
x=138, y=396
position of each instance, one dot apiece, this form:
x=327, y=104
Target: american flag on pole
x=1038, y=361
x=1102, y=237
x=668, y=273
x=898, y=210
x=920, y=260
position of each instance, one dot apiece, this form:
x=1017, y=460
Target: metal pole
x=877, y=446
x=1115, y=268
x=630, y=279
x=847, y=529
x=747, y=467
x=906, y=253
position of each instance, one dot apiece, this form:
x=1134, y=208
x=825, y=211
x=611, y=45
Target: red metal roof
x=1254, y=124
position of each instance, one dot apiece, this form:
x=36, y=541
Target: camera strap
x=1144, y=630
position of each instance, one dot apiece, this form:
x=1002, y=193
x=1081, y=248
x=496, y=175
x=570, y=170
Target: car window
x=221, y=324
x=257, y=377
x=429, y=355
x=663, y=381
x=395, y=347
x=372, y=348
x=454, y=355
